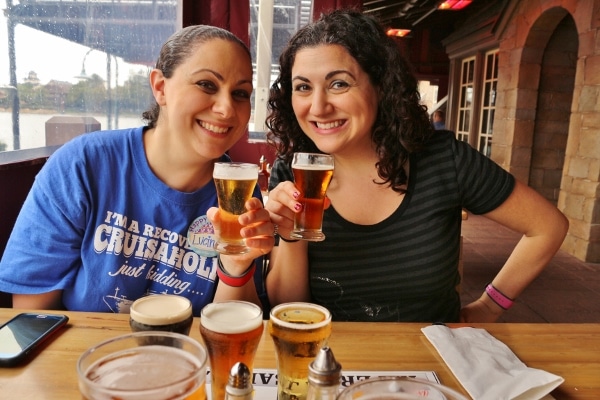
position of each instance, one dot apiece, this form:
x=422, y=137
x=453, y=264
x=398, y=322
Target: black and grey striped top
x=405, y=267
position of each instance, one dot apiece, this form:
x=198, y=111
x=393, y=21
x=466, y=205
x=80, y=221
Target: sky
x=37, y=51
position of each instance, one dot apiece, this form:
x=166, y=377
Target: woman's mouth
x=329, y=125
x=214, y=128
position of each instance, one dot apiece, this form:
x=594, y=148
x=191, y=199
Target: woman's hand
x=481, y=310
x=282, y=206
x=258, y=230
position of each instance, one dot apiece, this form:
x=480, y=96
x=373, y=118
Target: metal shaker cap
x=239, y=376
x=324, y=370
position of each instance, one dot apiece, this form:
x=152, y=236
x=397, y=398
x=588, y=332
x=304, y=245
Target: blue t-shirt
x=99, y=225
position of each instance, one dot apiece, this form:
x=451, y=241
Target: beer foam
x=313, y=167
x=235, y=171
x=161, y=309
x=231, y=317
x=320, y=315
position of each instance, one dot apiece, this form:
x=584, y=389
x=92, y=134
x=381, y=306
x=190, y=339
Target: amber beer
x=235, y=183
x=312, y=174
x=298, y=330
x=231, y=331
x=121, y=368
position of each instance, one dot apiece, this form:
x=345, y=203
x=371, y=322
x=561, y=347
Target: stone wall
x=524, y=34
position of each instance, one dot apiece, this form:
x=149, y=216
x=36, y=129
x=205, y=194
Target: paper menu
x=265, y=380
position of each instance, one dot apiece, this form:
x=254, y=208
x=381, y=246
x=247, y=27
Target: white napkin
x=486, y=367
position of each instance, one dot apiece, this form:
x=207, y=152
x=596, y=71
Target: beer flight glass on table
x=312, y=174
x=298, y=330
x=235, y=183
x=139, y=366
x=231, y=331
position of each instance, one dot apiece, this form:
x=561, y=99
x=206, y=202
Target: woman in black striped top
x=393, y=225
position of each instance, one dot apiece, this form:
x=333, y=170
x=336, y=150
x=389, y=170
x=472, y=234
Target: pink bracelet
x=498, y=297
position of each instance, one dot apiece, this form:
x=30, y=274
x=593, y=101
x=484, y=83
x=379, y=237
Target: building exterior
x=525, y=90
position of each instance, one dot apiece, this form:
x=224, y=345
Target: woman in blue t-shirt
x=117, y=215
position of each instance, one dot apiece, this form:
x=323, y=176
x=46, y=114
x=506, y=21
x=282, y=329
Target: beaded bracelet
x=498, y=297
x=235, y=281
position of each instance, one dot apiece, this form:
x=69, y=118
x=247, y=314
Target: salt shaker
x=239, y=386
x=324, y=375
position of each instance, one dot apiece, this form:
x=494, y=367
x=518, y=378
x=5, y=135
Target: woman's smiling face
x=206, y=102
x=333, y=98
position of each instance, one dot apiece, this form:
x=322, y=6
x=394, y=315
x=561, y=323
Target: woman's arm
x=287, y=279
x=43, y=301
x=544, y=228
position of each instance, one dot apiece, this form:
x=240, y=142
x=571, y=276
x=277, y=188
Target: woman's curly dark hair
x=402, y=124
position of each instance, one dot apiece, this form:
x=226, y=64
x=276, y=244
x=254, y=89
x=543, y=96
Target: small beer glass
x=161, y=312
x=126, y=369
x=235, y=184
x=312, y=174
x=298, y=330
x=397, y=388
x=231, y=331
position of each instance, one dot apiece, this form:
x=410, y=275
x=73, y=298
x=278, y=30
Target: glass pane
x=288, y=17
x=484, y=121
x=76, y=59
x=471, y=71
x=486, y=94
x=489, y=66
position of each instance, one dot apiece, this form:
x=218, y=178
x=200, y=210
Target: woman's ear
x=157, y=84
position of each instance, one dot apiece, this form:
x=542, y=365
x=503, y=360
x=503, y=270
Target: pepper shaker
x=324, y=375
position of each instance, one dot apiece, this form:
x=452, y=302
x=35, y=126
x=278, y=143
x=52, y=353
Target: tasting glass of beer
x=397, y=388
x=123, y=368
x=298, y=330
x=231, y=331
x=235, y=184
x=161, y=312
x=312, y=174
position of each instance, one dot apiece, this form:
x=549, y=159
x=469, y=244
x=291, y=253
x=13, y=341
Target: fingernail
x=296, y=195
x=297, y=206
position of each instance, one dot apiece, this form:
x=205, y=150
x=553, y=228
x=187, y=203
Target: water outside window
x=77, y=59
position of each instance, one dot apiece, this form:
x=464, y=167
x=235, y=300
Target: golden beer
x=298, y=330
x=312, y=174
x=235, y=183
x=231, y=331
x=123, y=369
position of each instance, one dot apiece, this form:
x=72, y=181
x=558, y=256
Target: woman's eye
x=302, y=87
x=207, y=86
x=339, y=85
x=242, y=95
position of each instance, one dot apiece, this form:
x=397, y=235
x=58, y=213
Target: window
x=488, y=102
x=279, y=20
x=74, y=59
x=465, y=104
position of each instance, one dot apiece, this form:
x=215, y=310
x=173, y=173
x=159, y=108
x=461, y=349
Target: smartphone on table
x=26, y=332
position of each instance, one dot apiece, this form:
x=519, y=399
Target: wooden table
x=569, y=350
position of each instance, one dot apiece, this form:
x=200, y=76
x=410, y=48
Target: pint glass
x=128, y=368
x=231, y=331
x=312, y=174
x=298, y=330
x=235, y=184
